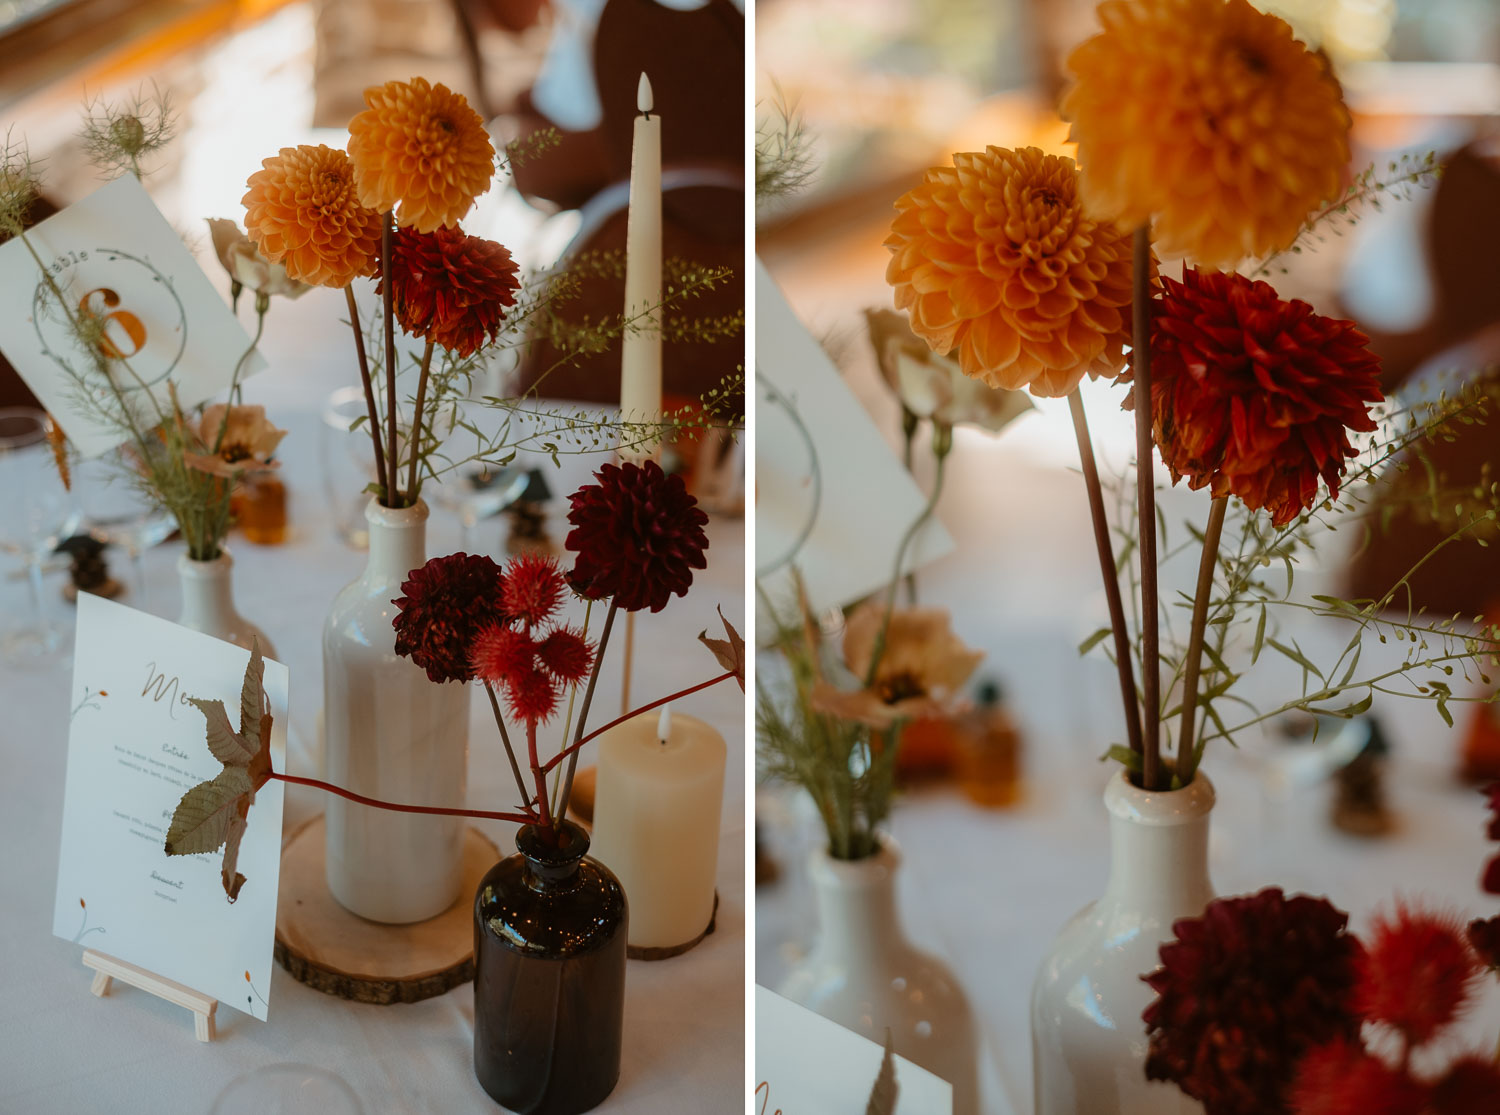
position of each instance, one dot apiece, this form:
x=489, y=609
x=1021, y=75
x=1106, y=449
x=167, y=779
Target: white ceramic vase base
x=863, y=974
x=1088, y=1040
x=208, y=603
x=391, y=734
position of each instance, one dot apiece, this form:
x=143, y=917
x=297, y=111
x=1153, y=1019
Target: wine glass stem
x=34, y=575
x=469, y=521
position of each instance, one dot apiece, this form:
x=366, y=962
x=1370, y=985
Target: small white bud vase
x=391, y=734
x=1088, y=1042
x=863, y=974
x=208, y=603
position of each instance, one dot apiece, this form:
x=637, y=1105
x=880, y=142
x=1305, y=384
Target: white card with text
x=115, y=257
x=135, y=746
x=807, y=1065
x=831, y=499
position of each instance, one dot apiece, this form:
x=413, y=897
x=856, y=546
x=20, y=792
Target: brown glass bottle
x=549, y=976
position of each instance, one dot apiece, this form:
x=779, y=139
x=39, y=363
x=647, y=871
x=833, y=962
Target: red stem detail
x=561, y=755
x=485, y=814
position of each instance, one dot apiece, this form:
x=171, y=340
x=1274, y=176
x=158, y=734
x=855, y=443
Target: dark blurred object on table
x=528, y=519
x=1359, y=805
x=87, y=571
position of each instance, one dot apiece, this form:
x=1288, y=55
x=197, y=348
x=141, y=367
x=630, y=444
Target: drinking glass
x=287, y=1089
x=117, y=512
x=348, y=465
x=477, y=491
x=36, y=513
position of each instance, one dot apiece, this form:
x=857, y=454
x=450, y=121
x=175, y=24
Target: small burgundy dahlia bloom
x=445, y=604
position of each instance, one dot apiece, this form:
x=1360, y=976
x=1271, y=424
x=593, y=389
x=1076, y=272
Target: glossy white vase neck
x=208, y=602
x=1158, y=846
x=398, y=541
x=394, y=735
x=1088, y=1039
x=865, y=975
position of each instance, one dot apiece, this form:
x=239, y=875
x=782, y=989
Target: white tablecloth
x=987, y=891
x=62, y=1050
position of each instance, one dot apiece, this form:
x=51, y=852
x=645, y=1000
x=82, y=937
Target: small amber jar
x=260, y=505
x=989, y=752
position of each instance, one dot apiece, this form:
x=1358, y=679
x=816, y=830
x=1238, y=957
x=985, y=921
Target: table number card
x=135, y=746
x=807, y=1065
x=114, y=256
x=831, y=498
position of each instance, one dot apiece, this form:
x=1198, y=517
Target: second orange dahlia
x=301, y=212
x=421, y=150
x=994, y=258
x=1210, y=118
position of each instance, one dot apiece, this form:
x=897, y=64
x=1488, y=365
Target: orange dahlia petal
x=1208, y=118
x=421, y=150
x=995, y=257
x=301, y=211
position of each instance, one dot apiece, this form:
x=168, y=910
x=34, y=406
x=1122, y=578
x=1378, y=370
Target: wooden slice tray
x=326, y=947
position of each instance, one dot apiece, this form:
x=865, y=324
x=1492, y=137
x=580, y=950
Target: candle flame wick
x=643, y=96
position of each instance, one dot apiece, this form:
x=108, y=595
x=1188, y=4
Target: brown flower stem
x=416, y=421
x=1140, y=358
x=617, y=721
x=364, y=378
x=437, y=810
x=510, y=752
x=1117, y=625
x=393, y=497
x=539, y=776
x=1206, y=566
x=583, y=713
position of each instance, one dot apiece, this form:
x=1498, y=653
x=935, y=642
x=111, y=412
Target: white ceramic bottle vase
x=394, y=735
x=863, y=974
x=1087, y=1039
x=208, y=602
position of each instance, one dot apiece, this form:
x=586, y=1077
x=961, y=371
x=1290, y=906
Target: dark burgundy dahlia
x=446, y=603
x=451, y=288
x=1244, y=992
x=638, y=535
x=1254, y=396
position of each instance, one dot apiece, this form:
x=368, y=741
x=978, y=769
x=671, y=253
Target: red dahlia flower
x=1484, y=939
x=1417, y=974
x=1243, y=993
x=1342, y=1079
x=1254, y=396
x=1472, y=1087
x=445, y=603
x=638, y=535
x=450, y=288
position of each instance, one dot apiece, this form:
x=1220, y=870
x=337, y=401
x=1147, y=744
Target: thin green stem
x=234, y=378
x=1206, y=566
x=510, y=752
x=372, y=415
x=583, y=712
x=942, y=442
x=416, y=423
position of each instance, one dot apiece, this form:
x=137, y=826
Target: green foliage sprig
x=118, y=135
x=1254, y=579
x=783, y=157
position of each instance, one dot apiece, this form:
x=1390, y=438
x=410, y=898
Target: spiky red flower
x=1484, y=939
x=450, y=288
x=1244, y=992
x=1254, y=396
x=445, y=604
x=1342, y=1079
x=565, y=655
x=1417, y=974
x=499, y=652
x=1472, y=1087
x=638, y=535
x=531, y=695
x=533, y=588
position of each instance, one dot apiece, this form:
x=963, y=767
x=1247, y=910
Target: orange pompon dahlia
x=1208, y=116
x=1254, y=396
x=451, y=288
x=994, y=257
x=301, y=212
x=421, y=150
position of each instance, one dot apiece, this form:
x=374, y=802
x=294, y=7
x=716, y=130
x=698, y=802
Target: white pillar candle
x=640, y=355
x=656, y=822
